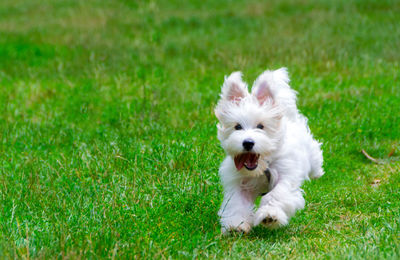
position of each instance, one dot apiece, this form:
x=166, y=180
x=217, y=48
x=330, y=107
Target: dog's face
x=249, y=123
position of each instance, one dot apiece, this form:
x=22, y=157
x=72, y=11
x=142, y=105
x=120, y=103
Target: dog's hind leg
x=316, y=160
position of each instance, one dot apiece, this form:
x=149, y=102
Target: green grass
x=108, y=138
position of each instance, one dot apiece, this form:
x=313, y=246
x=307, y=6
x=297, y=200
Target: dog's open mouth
x=248, y=160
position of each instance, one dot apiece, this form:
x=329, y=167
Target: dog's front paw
x=241, y=228
x=271, y=217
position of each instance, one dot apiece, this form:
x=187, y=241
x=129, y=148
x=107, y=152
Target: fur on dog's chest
x=253, y=187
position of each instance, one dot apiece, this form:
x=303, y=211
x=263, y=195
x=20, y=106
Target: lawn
x=108, y=142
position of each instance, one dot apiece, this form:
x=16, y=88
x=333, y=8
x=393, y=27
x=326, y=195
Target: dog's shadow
x=283, y=234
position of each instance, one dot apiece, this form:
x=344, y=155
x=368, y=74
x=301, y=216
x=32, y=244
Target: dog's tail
x=277, y=83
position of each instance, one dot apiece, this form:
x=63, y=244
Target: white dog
x=270, y=151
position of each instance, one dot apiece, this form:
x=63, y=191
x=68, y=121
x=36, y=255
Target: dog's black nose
x=248, y=144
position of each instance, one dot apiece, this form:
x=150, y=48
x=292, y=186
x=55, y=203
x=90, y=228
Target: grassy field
x=108, y=138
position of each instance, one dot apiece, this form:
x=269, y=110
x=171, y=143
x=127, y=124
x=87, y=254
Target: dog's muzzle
x=248, y=160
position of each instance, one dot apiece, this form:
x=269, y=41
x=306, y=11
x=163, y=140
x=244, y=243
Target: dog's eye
x=260, y=126
x=238, y=127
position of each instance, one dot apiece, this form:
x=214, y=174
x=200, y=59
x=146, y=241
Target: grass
x=108, y=139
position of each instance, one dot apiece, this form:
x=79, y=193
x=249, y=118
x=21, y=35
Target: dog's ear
x=262, y=90
x=234, y=89
x=273, y=85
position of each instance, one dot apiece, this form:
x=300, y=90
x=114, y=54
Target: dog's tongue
x=250, y=159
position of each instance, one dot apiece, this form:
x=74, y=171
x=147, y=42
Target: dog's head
x=250, y=123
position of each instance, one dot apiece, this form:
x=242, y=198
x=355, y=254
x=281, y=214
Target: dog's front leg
x=237, y=210
x=279, y=205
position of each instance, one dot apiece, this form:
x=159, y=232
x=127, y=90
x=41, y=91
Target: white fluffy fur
x=285, y=145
